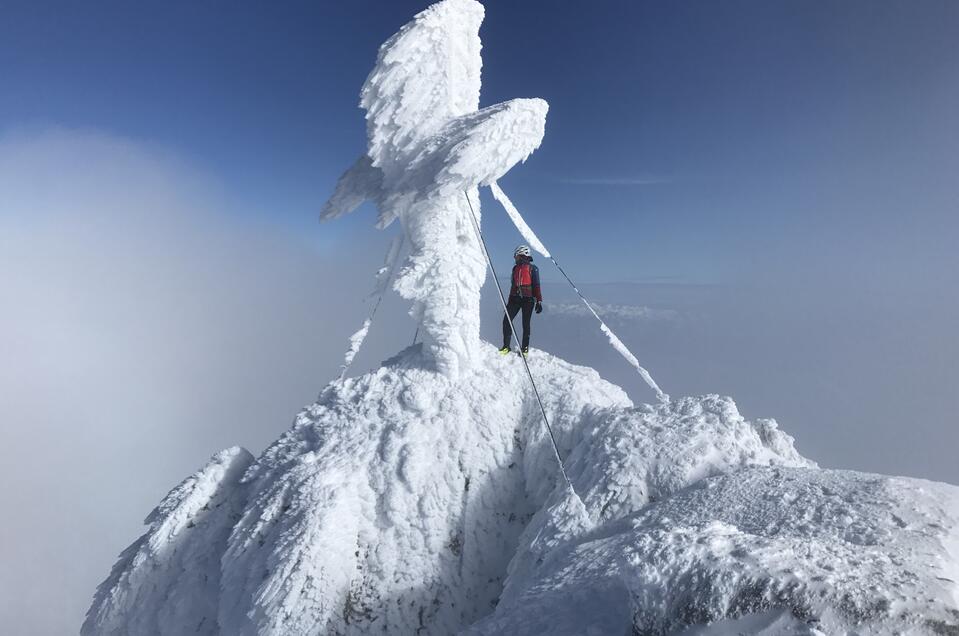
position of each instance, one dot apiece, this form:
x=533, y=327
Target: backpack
x=522, y=280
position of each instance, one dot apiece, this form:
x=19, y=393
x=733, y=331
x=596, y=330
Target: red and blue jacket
x=525, y=280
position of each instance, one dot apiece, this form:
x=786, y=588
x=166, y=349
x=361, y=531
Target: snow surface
x=406, y=502
x=171, y=575
x=396, y=500
x=403, y=501
x=759, y=550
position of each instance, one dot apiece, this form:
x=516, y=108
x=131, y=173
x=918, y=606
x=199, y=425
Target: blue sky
x=698, y=142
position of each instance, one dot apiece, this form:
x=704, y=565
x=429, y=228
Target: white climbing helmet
x=522, y=250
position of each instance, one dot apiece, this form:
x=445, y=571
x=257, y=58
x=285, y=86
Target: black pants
x=512, y=308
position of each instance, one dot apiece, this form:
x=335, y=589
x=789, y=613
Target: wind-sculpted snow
x=476, y=149
x=356, y=341
x=629, y=458
x=168, y=581
x=425, y=75
x=626, y=458
x=777, y=550
x=404, y=501
x=361, y=183
x=396, y=501
x=429, y=147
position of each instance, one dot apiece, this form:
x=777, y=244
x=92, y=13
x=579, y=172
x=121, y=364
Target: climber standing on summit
x=525, y=294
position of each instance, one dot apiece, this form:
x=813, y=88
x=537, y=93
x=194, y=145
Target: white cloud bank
x=143, y=326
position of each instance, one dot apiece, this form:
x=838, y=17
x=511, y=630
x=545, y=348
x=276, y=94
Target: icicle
x=518, y=221
x=383, y=277
x=356, y=341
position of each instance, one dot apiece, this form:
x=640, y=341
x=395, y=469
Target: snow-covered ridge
x=397, y=499
x=171, y=575
x=401, y=498
x=406, y=502
x=759, y=550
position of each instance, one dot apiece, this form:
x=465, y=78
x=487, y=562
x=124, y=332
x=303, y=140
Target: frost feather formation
x=423, y=498
x=428, y=145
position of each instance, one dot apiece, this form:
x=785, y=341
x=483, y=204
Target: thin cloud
x=145, y=325
x=620, y=312
x=642, y=180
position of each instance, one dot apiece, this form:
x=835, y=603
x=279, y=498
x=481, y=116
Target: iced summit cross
x=429, y=147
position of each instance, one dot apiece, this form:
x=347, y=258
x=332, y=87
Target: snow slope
x=406, y=502
x=171, y=575
x=398, y=500
x=759, y=550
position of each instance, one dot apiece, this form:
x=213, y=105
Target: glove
x=539, y=306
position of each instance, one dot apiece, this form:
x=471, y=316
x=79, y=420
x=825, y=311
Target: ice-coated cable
x=614, y=340
x=356, y=340
x=502, y=298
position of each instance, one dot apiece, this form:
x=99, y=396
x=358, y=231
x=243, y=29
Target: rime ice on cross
x=428, y=144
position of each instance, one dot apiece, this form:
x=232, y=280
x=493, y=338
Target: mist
x=146, y=324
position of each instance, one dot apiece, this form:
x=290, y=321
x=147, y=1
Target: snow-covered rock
x=396, y=501
x=169, y=579
x=759, y=550
x=631, y=457
x=626, y=458
x=406, y=502
x=399, y=499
